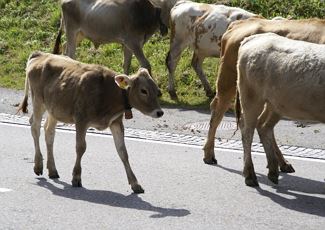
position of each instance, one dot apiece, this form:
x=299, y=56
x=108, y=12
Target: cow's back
x=311, y=30
x=67, y=87
x=288, y=74
x=204, y=24
x=105, y=21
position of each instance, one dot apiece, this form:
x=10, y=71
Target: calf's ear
x=143, y=71
x=123, y=81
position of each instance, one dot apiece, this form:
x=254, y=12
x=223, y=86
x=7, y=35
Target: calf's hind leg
x=35, y=122
x=81, y=130
x=267, y=119
x=251, y=109
x=117, y=130
x=49, y=129
x=266, y=134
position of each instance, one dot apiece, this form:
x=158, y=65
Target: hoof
x=287, y=168
x=38, y=171
x=251, y=182
x=211, y=161
x=76, y=183
x=273, y=177
x=54, y=175
x=137, y=189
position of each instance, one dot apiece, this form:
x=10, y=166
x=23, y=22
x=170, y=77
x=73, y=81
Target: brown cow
x=86, y=95
x=287, y=76
x=312, y=30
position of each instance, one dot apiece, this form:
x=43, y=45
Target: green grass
x=29, y=25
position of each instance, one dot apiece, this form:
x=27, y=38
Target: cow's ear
x=123, y=81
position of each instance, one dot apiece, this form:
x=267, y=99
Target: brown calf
x=86, y=95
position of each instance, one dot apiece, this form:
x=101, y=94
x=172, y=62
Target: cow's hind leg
x=49, y=129
x=138, y=52
x=267, y=119
x=71, y=46
x=81, y=130
x=176, y=48
x=117, y=130
x=197, y=61
x=35, y=122
x=127, y=53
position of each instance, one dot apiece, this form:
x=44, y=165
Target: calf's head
x=142, y=91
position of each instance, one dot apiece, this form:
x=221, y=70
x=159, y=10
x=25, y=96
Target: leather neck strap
x=127, y=107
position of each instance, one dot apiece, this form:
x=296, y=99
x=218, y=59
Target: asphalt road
x=180, y=191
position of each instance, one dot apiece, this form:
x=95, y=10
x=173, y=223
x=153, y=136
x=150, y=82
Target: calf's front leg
x=117, y=130
x=49, y=129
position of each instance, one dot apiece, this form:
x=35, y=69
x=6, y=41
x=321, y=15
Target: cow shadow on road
x=132, y=201
x=295, y=193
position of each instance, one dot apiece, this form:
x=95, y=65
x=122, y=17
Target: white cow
x=288, y=77
x=199, y=26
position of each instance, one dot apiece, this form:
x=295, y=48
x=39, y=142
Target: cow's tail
x=237, y=110
x=56, y=49
x=24, y=104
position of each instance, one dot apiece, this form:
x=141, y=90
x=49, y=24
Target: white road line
x=164, y=142
x=5, y=190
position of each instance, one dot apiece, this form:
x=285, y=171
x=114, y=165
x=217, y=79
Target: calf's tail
x=56, y=49
x=24, y=104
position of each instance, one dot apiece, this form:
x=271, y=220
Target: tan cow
x=287, y=76
x=312, y=30
x=199, y=26
x=85, y=95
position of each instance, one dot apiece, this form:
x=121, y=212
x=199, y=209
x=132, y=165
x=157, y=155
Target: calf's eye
x=143, y=91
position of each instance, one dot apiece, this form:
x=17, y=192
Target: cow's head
x=165, y=6
x=142, y=91
x=162, y=26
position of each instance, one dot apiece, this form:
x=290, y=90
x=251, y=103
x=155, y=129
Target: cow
x=287, y=76
x=128, y=22
x=86, y=95
x=199, y=26
x=311, y=30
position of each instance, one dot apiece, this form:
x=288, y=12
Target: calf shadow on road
x=292, y=192
x=132, y=201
